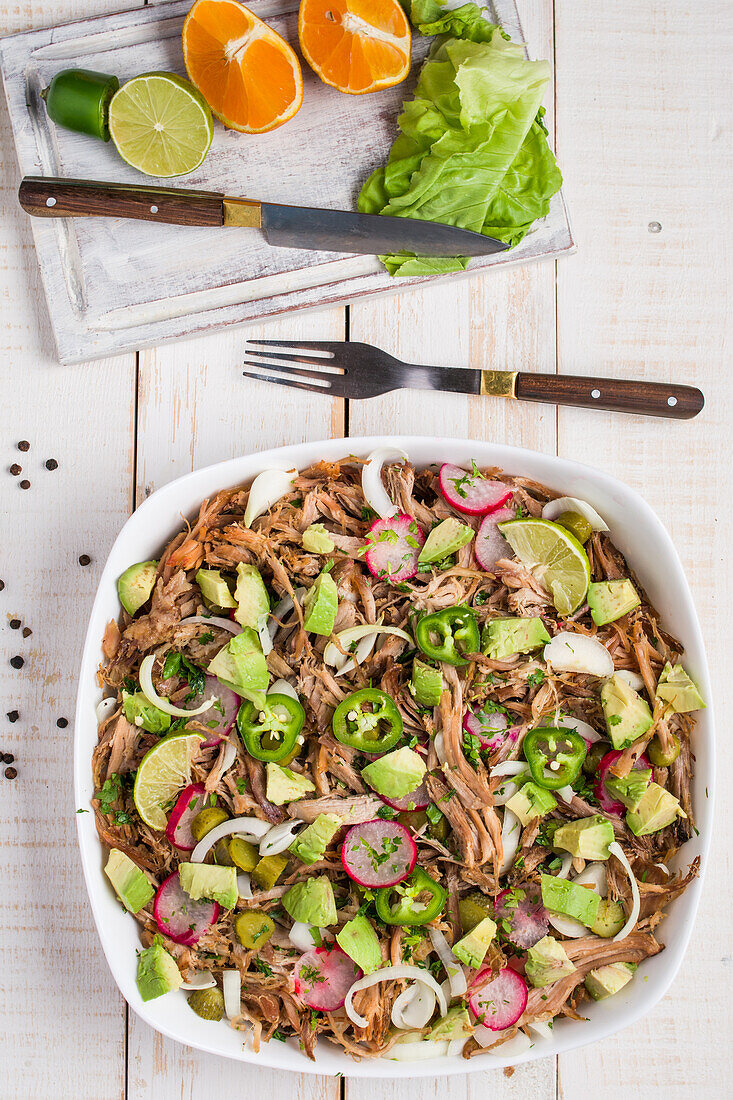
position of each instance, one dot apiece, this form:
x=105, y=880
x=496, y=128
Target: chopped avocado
x=241, y=666
x=472, y=947
x=207, y=880
x=310, y=845
x=253, y=603
x=607, y=980
x=426, y=684
x=214, y=589
x=473, y=908
x=311, y=900
x=656, y=809
x=561, y=896
x=157, y=972
x=316, y=540
x=136, y=584
x=531, y=801
x=396, y=773
x=268, y=869
x=449, y=536
x=547, y=962
x=609, y=600
x=627, y=715
x=284, y=785
x=609, y=920
x=587, y=838
x=630, y=788
x=139, y=712
x=504, y=637
x=456, y=1024
x=320, y=605
x=676, y=688
x=131, y=886
x=361, y=943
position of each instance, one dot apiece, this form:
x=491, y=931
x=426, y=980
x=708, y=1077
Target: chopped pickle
x=207, y=1003
x=268, y=870
x=206, y=820
x=253, y=928
x=474, y=908
x=576, y=524
x=221, y=853
x=243, y=855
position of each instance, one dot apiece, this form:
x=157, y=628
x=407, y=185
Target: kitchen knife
x=283, y=226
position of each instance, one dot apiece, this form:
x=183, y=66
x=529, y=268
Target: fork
x=356, y=371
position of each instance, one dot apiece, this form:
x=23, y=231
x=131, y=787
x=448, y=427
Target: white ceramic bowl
x=635, y=530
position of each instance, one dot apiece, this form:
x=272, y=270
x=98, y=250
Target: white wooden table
x=640, y=117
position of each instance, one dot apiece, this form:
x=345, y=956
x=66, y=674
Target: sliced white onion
x=280, y=610
x=665, y=868
x=595, y=875
x=279, y=837
x=424, y=1049
x=569, y=652
x=414, y=1007
x=508, y=789
x=231, y=984
x=387, y=973
x=146, y=686
x=633, y=679
x=509, y=767
x=568, y=926
x=541, y=1028
x=439, y=744
x=487, y=1038
x=202, y=980
x=333, y=656
x=250, y=828
x=263, y=633
x=511, y=830
x=213, y=620
x=567, y=863
x=301, y=935
x=244, y=886
x=567, y=794
x=453, y=968
x=230, y=755
x=282, y=687
x=374, y=491
x=266, y=490
x=555, y=508
x=586, y=731
x=105, y=707
x=615, y=848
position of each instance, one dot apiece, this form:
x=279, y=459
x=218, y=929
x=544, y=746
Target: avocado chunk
x=360, y=942
x=209, y=880
x=132, y=887
x=310, y=845
x=472, y=947
x=587, y=838
x=656, y=809
x=547, y=962
x=456, y=1024
x=677, y=689
x=504, y=637
x=609, y=600
x=157, y=972
x=241, y=666
x=253, y=603
x=609, y=920
x=311, y=900
x=531, y=801
x=214, y=589
x=630, y=788
x=627, y=715
x=607, y=980
x=136, y=584
x=316, y=540
x=139, y=712
x=285, y=785
x=396, y=773
x=449, y=536
x=561, y=896
x=426, y=684
x=473, y=908
x=320, y=605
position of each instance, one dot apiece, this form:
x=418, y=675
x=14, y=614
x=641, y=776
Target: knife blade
x=283, y=226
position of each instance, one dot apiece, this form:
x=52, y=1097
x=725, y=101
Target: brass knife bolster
x=498, y=383
x=244, y=213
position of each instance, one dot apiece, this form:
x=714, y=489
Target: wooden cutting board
x=114, y=286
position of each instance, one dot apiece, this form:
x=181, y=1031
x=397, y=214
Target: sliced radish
x=522, y=911
x=418, y=800
x=178, y=916
x=570, y=652
x=393, y=547
x=324, y=976
x=501, y=1001
x=555, y=508
x=473, y=494
x=191, y=801
x=490, y=545
x=223, y=713
x=607, y=802
x=489, y=728
x=378, y=853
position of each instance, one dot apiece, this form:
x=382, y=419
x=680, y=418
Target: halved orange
x=356, y=46
x=246, y=72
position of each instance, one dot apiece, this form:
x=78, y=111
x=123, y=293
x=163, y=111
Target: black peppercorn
x=13, y=716
x=62, y=723
x=24, y=445
x=84, y=559
x=17, y=662
x=15, y=469
x=25, y=483
x=10, y=773
x=51, y=464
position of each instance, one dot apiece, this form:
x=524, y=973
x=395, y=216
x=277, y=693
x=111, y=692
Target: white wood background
x=642, y=124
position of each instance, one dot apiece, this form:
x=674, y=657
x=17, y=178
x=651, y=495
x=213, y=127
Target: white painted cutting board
x=115, y=285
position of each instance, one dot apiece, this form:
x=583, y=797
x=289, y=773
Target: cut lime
x=554, y=556
x=161, y=124
x=162, y=773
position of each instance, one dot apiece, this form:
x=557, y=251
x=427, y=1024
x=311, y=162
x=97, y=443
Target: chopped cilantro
x=536, y=678
x=109, y=793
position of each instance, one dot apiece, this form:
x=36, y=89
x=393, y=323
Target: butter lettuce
x=472, y=151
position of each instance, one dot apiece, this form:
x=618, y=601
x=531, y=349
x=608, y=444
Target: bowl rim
x=243, y=468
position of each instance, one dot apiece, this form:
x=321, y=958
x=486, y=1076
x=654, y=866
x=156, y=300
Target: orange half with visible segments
x=247, y=73
x=356, y=46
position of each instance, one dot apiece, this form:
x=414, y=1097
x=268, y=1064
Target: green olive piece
x=594, y=756
x=253, y=928
x=206, y=820
x=207, y=1003
x=243, y=855
x=576, y=524
x=658, y=756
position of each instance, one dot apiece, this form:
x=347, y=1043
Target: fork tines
x=280, y=361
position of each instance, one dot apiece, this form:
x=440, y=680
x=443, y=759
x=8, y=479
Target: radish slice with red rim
x=501, y=1002
x=521, y=916
x=490, y=545
x=393, y=548
x=607, y=802
x=190, y=801
x=222, y=715
x=490, y=728
x=378, y=853
x=418, y=799
x=472, y=493
x=178, y=916
x=324, y=976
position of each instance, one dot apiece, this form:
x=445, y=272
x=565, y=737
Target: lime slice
x=161, y=124
x=163, y=772
x=554, y=556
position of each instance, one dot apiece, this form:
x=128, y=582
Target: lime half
x=162, y=773
x=161, y=124
x=554, y=556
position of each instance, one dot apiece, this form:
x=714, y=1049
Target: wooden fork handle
x=611, y=394
x=51, y=197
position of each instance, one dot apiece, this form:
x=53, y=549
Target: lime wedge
x=163, y=772
x=554, y=556
x=161, y=124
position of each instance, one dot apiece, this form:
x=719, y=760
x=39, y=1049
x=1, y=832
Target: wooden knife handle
x=612, y=394
x=51, y=197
